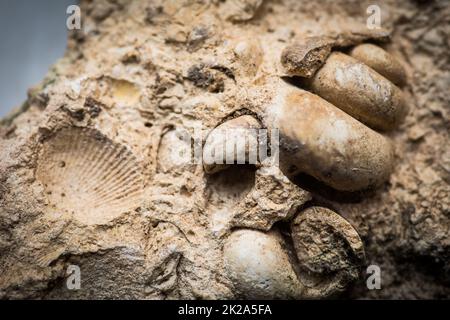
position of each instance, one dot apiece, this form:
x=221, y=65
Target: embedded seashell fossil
x=258, y=266
x=241, y=10
x=328, y=144
x=329, y=250
x=321, y=140
x=273, y=198
x=88, y=175
x=360, y=91
x=174, y=151
x=235, y=140
x=326, y=256
x=304, y=57
x=380, y=61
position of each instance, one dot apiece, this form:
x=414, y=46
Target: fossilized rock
x=93, y=168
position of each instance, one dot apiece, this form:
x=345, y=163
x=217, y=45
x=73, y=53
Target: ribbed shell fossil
x=86, y=174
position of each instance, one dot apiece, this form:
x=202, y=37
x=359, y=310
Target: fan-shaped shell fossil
x=88, y=175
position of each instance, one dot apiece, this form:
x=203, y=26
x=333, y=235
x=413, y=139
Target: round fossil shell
x=259, y=267
x=360, y=91
x=329, y=250
x=323, y=141
x=87, y=175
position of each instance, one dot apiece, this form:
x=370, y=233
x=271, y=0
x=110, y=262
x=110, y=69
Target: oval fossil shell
x=325, y=257
x=381, y=61
x=305, y=56
x=360, y=91
x=326, y=143
x=88, y=175
x=329, y=250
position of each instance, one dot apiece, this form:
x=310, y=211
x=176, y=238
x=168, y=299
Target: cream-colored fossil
x=88, y=175
x=319, y=139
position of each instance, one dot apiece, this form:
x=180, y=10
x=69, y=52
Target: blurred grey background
x=32, y=37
